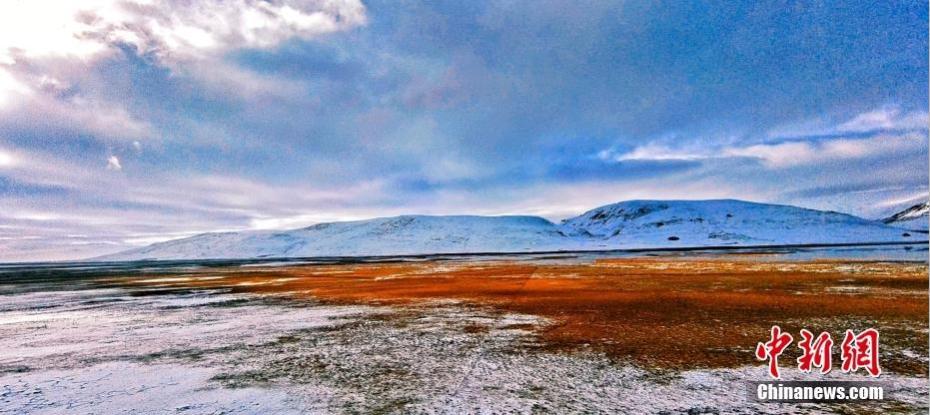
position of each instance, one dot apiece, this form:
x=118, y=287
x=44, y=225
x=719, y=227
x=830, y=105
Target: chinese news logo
x=858, y=351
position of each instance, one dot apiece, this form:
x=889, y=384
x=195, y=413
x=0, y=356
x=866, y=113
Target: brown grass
x=658, y=313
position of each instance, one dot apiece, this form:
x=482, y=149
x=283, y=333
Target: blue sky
x=124, y=123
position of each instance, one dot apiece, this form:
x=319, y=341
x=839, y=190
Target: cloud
x=117, y=210
x=881, y=131
x=171, y=30
x=798, y=153
x=48, y=114
x=888, y=118
x=185, y=30
x=656, y=152
x=113, y=163
x=885, y=118
x=36, y=35
x=78, y=74
x=10, y=88
x=7, y=159
x=784, y=154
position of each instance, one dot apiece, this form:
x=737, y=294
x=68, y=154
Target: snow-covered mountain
x=655, y=223
x=914, y=217
x=632, y=224
x=401, y=235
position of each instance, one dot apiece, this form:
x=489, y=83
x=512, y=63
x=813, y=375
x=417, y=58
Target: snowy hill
x=914, y=217
x=632, y=224
x=401, y=235
x=655, y=223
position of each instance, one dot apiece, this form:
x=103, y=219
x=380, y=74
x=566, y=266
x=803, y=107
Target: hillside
x=914, y=217
x=399, y=235
x=632, y=224
x=655, y=223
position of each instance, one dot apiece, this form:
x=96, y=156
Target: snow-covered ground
x=115, y=351
x=625, y=225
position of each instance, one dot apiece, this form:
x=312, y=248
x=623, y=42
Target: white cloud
x=43, y=169
x=172, y=31
x=907, y=200
x=885, y=118
x=657, y=152
x=7, y=159
x=889, y=119
x=230, y=80
x=135, y=209
x=169, y=29
x=10, y=88
x=113, y=163
x=806, y=153
x=46, y=28
x=104, y=120
x=785, y=154
x=777, y=155
x=175, y=30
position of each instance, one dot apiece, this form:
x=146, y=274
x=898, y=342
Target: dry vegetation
x=658, y=313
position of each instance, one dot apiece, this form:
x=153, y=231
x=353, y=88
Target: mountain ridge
x=914, y=217
x=624, y=225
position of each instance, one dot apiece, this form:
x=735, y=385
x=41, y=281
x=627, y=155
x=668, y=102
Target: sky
x=128, y=122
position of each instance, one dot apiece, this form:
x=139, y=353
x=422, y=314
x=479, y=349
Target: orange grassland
x=658, y=313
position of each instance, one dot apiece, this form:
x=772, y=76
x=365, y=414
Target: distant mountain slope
x=382, y=236
x=655, y=223
x=633, y=224
x=914, y=217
